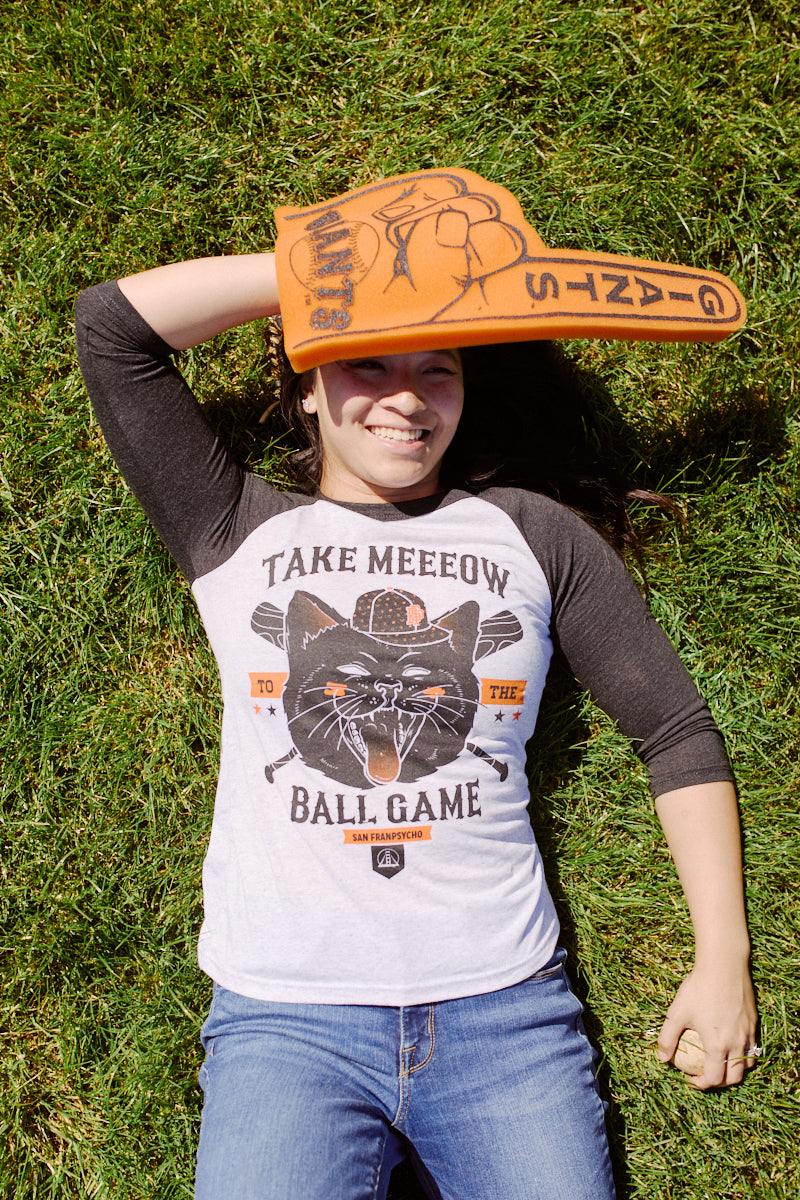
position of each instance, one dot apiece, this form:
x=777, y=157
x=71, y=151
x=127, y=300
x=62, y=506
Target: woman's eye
x=366, y=364
x=441, y=366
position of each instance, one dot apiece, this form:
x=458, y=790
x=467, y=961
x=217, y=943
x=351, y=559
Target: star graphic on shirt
x=256, y=708
x=498, y=716
x=517, y=715
x=271, y=710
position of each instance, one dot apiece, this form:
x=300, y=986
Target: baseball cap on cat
x=443, y=258
x=395, y=616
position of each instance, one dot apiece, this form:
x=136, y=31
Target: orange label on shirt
x=267, y=685
x=372, y=837
x=503, y=691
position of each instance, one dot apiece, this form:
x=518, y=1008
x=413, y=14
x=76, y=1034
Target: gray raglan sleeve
x=197, y=497
x=619, y=653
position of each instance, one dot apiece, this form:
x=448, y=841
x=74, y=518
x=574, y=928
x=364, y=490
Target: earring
x=306, y=405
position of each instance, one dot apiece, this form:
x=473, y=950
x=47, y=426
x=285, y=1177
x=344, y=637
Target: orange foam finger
x=439, y=259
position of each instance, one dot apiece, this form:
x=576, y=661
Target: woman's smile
x=389, y=433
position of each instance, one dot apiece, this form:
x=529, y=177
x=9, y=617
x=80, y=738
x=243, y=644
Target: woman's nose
x=403, y=398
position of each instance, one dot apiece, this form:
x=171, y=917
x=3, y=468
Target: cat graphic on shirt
x=388, y=696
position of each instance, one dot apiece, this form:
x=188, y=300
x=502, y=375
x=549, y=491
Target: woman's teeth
x=397, y=435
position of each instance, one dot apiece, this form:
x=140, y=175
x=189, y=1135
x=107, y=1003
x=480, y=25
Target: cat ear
x=497, y=632
x=267, y=622
x=306, y=618
x=462, y=623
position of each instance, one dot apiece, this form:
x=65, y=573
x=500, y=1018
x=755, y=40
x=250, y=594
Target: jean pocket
x=552, y=967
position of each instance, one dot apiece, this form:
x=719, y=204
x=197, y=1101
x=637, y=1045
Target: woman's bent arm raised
x=189, y=302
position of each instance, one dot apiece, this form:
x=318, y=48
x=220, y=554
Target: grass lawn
x=145, y=132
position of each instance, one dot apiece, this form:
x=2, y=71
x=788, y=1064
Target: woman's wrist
x=730, y=953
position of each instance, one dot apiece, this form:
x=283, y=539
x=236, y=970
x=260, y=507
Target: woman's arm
x=701, y=824
x=617, y=650
x=193, y=490
x=188, y=302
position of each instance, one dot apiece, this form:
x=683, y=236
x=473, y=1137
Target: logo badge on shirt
x=388, y=860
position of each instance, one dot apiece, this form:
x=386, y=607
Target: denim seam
x=402, y=1076
x=379, y=1170
x=431, y=1039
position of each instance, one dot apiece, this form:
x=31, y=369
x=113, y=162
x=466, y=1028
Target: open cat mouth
x=382, y=746
x=383, y=761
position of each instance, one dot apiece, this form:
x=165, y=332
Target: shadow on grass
x=248, y=422
x=554, y=425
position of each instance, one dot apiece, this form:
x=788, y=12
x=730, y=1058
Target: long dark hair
x=529, y=421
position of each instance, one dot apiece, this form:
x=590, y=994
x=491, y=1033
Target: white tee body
x=418, y=884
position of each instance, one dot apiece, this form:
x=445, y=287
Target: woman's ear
x=309, y=400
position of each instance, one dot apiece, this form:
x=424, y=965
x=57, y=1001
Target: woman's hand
x=720, y=1006
x=701, y=824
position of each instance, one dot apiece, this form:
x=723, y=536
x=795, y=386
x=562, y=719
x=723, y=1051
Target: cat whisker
x=324, y=688
x=448, y=714
x=455, y=709
x=439, y=722
x=349, y=704
x=332, y=719
x=446, y=701
x=305, y=712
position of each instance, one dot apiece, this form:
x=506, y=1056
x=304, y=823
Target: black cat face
x=385, y=706
x=387, y=696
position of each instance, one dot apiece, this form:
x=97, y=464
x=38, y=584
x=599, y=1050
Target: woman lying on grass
x=383, y=946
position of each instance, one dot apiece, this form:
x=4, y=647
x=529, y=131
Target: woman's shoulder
x=541, y=515
x=571, y=552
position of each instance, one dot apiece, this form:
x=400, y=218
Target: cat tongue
x=383, y=761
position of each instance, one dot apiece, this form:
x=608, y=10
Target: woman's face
x=385, y=423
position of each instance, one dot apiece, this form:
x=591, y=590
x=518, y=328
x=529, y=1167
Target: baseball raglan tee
x=381, y=670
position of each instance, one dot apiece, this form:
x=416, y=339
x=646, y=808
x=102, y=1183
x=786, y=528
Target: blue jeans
x=495, y=1093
